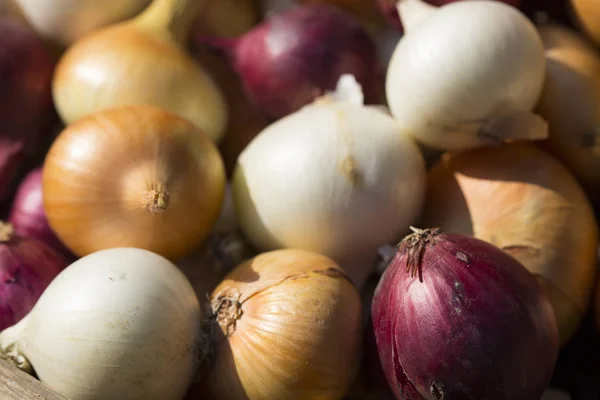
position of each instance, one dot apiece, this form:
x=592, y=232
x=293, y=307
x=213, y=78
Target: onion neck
x=175, y=16
x=9, y=346
x=414, y=246
x=413, y=12
x=7, y=232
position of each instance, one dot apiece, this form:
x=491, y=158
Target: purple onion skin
x=390, y=12
x=27, y=266
x=298, y=55
x=26, y=68
x=476, y=327
x=27, y=214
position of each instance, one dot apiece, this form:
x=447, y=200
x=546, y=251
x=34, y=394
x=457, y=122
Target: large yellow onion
x=570, y=102
x=289, y=327
x=524, y=201
x=135, y=176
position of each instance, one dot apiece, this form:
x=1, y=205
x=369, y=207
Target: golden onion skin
x=524, y=201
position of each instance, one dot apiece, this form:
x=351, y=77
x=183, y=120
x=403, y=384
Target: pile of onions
x=65, y=21
x=457, y=318
x=296, y=56
x=389, y=9
x=26, y=111
x=570, y=102
x=525, y=202
x=288, y=327
x=457, y=86
x=117, y=324
x=141, y=61
x=27, y=214
x=134, y=176
x=27, y=266
x=336, y=178
x=587, y=13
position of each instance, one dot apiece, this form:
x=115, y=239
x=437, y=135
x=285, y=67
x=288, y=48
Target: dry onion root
x=288, y=326
x=524, y=201
x=134, y=176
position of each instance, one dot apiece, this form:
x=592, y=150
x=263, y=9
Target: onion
x=120, y=323
x=141, y=61
x=587, y=14
x=390, y=11
x=65, y=21
x=134, y=176
x=457, y=318
x=335, y=177
x=27, y=266
x=570, y=103
x=288, y=327
x=226, y=18
x=296, y=56
x=26, y=110
x=493, y=72
x=525, y=202
x=246, y=119
x=27, y=214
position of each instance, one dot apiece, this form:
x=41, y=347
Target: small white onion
x=116, y=324
x=466, y=74
x=336, y=177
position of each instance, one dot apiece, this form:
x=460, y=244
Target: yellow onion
x=587, y=13
x=289, y=327
x=524, y=201
x=141, y=61
x=135, y=176
x=570, y=102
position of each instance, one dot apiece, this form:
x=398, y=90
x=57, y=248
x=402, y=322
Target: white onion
x=336, y=178
x=466, y=74
x=117, y=324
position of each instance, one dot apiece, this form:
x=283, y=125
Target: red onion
x=27, y=266
x=390, y=12
x=296, y=56
x=26, y=68
x=27, y=213
x=456, y=318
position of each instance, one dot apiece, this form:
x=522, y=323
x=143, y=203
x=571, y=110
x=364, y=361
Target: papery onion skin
x=120, y=323
x=335, y=178
x=491, y=80
x=524, y=201
x=27, y=214
x=390, y=12
x=456, y=318
x=296, y=56
x=297, y=336
x=27, y=266
x=570, y=102
x=135, y=176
